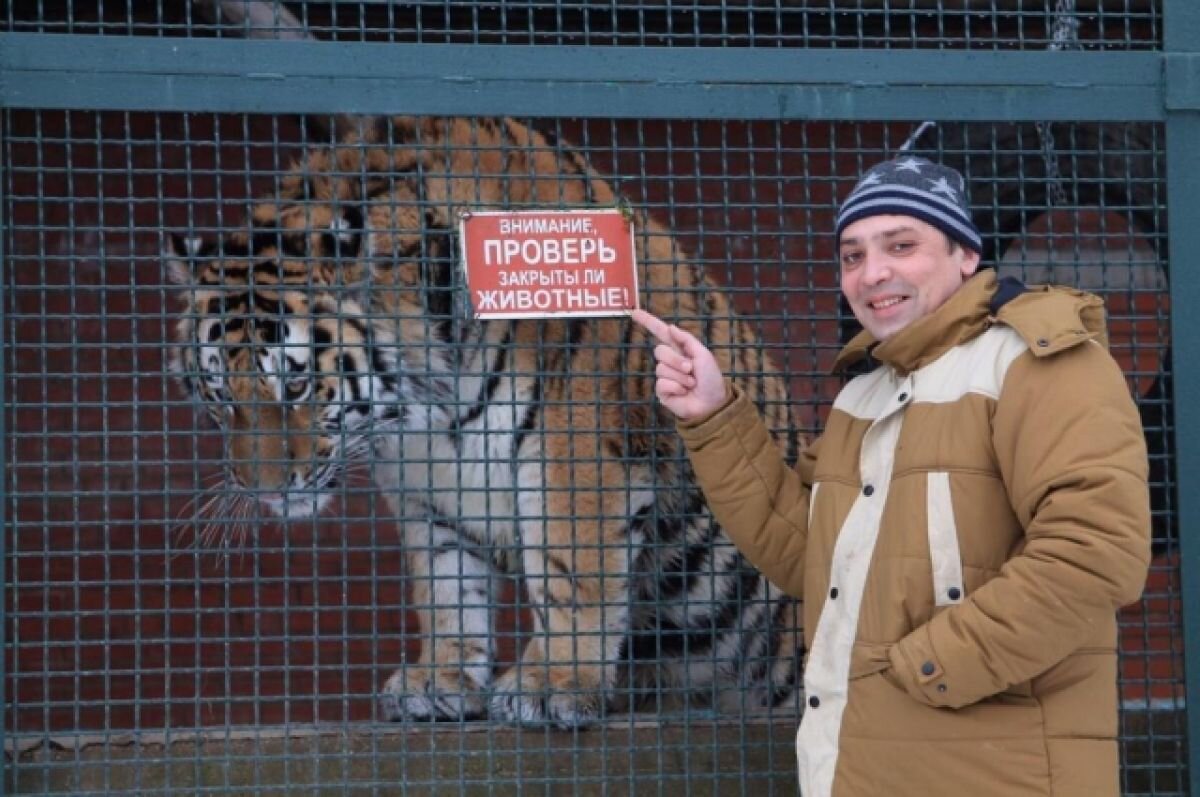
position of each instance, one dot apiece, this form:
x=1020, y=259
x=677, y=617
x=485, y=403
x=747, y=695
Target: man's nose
x=877, y=268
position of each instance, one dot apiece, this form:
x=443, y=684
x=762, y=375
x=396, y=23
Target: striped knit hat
x=915, y=187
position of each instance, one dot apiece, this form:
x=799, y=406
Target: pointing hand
x=689, y=381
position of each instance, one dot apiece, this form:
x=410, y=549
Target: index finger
x=659, y=329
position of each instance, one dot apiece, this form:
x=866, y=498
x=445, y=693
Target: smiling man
x=906, y=242
x=965, y=528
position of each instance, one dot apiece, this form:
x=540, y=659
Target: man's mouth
x=885, y=302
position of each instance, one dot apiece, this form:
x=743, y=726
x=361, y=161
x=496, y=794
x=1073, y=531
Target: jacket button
x=941, y=687
x=833, y=594
x=814, y=701
x=1042, y=342
x=927, y=668
x=955, y=593
x=868, y=491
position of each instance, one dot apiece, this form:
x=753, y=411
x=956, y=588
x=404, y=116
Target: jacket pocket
x=1023, y=689
x=868, y=658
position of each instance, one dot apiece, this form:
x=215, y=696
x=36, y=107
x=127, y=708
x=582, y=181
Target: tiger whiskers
x=240, y=508
x=358, y=474
x=196, y=509
x=220, y=517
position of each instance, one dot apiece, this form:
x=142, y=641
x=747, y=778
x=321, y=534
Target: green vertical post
x=1181, y=45
x=3, y=464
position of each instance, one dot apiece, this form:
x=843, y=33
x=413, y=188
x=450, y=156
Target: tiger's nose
x=258, y=473
x=260, y=456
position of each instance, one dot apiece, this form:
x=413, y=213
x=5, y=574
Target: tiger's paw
x=527, y=695
x=415, y=694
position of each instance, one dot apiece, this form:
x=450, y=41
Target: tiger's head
x=278, y=349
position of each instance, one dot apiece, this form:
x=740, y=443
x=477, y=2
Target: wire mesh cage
x=282, y=514
x=905, y=24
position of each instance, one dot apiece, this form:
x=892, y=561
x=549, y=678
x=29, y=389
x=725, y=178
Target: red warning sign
x=549, y=263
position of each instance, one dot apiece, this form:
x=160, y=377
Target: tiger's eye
x=295, y=388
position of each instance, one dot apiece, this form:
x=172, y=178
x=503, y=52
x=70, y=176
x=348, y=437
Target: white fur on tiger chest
x=462, y=474
x=470, y=474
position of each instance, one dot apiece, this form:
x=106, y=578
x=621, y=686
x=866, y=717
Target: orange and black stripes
x=536, y=436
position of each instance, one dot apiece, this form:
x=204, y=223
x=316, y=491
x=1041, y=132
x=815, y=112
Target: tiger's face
x=284, y=363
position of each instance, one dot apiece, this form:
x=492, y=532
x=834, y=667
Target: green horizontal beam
x=233, y=75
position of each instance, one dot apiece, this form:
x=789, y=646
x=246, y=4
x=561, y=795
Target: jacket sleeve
x=761, y=503
x=1072, y=455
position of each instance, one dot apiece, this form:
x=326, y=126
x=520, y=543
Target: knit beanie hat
x=917, y=187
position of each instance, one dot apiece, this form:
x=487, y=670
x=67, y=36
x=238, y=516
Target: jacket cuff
x=915, y=664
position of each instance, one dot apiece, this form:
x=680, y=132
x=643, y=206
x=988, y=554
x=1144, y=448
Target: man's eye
x=851, y=258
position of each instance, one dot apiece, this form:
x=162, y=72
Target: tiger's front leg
x=452, y=596
x=576, y=577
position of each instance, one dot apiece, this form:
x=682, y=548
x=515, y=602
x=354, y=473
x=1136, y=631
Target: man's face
x=897, y=269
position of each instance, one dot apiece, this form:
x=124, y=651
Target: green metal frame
x=1182, y=76
x=3, y=473
x=39, y=71
x=134, y=73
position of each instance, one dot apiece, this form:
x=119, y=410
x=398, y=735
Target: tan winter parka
x=961, y=535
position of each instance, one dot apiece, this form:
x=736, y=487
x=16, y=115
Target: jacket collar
x=961, y=317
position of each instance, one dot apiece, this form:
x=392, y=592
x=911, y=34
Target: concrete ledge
x=630, y=754
x=625, y=756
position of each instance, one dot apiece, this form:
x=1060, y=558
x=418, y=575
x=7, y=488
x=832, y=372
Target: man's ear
x=181, y=259
x=968, y=262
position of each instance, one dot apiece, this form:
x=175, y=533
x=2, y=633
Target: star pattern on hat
x=942, y=186
x=914, y=186
x=872, y=178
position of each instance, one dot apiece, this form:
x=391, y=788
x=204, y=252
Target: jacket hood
x=1048, y=318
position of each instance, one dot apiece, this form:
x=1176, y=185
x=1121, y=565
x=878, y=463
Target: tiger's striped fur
x=335, y=328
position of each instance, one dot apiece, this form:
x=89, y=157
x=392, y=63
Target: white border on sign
x=462, y=259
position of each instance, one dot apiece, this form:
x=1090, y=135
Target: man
x=964, y=529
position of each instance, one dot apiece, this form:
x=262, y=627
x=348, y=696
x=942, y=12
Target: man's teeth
x=882, y=303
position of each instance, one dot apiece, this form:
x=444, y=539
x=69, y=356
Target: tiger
x=335, y=328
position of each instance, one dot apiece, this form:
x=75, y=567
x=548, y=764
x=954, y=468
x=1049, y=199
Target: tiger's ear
x=182, y=258
x=345, y=244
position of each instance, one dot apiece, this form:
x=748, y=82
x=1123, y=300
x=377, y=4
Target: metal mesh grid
x=257, y=666
x=902, y=24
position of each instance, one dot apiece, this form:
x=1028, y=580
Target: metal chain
x=1065, y=30
x=1064, y=36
